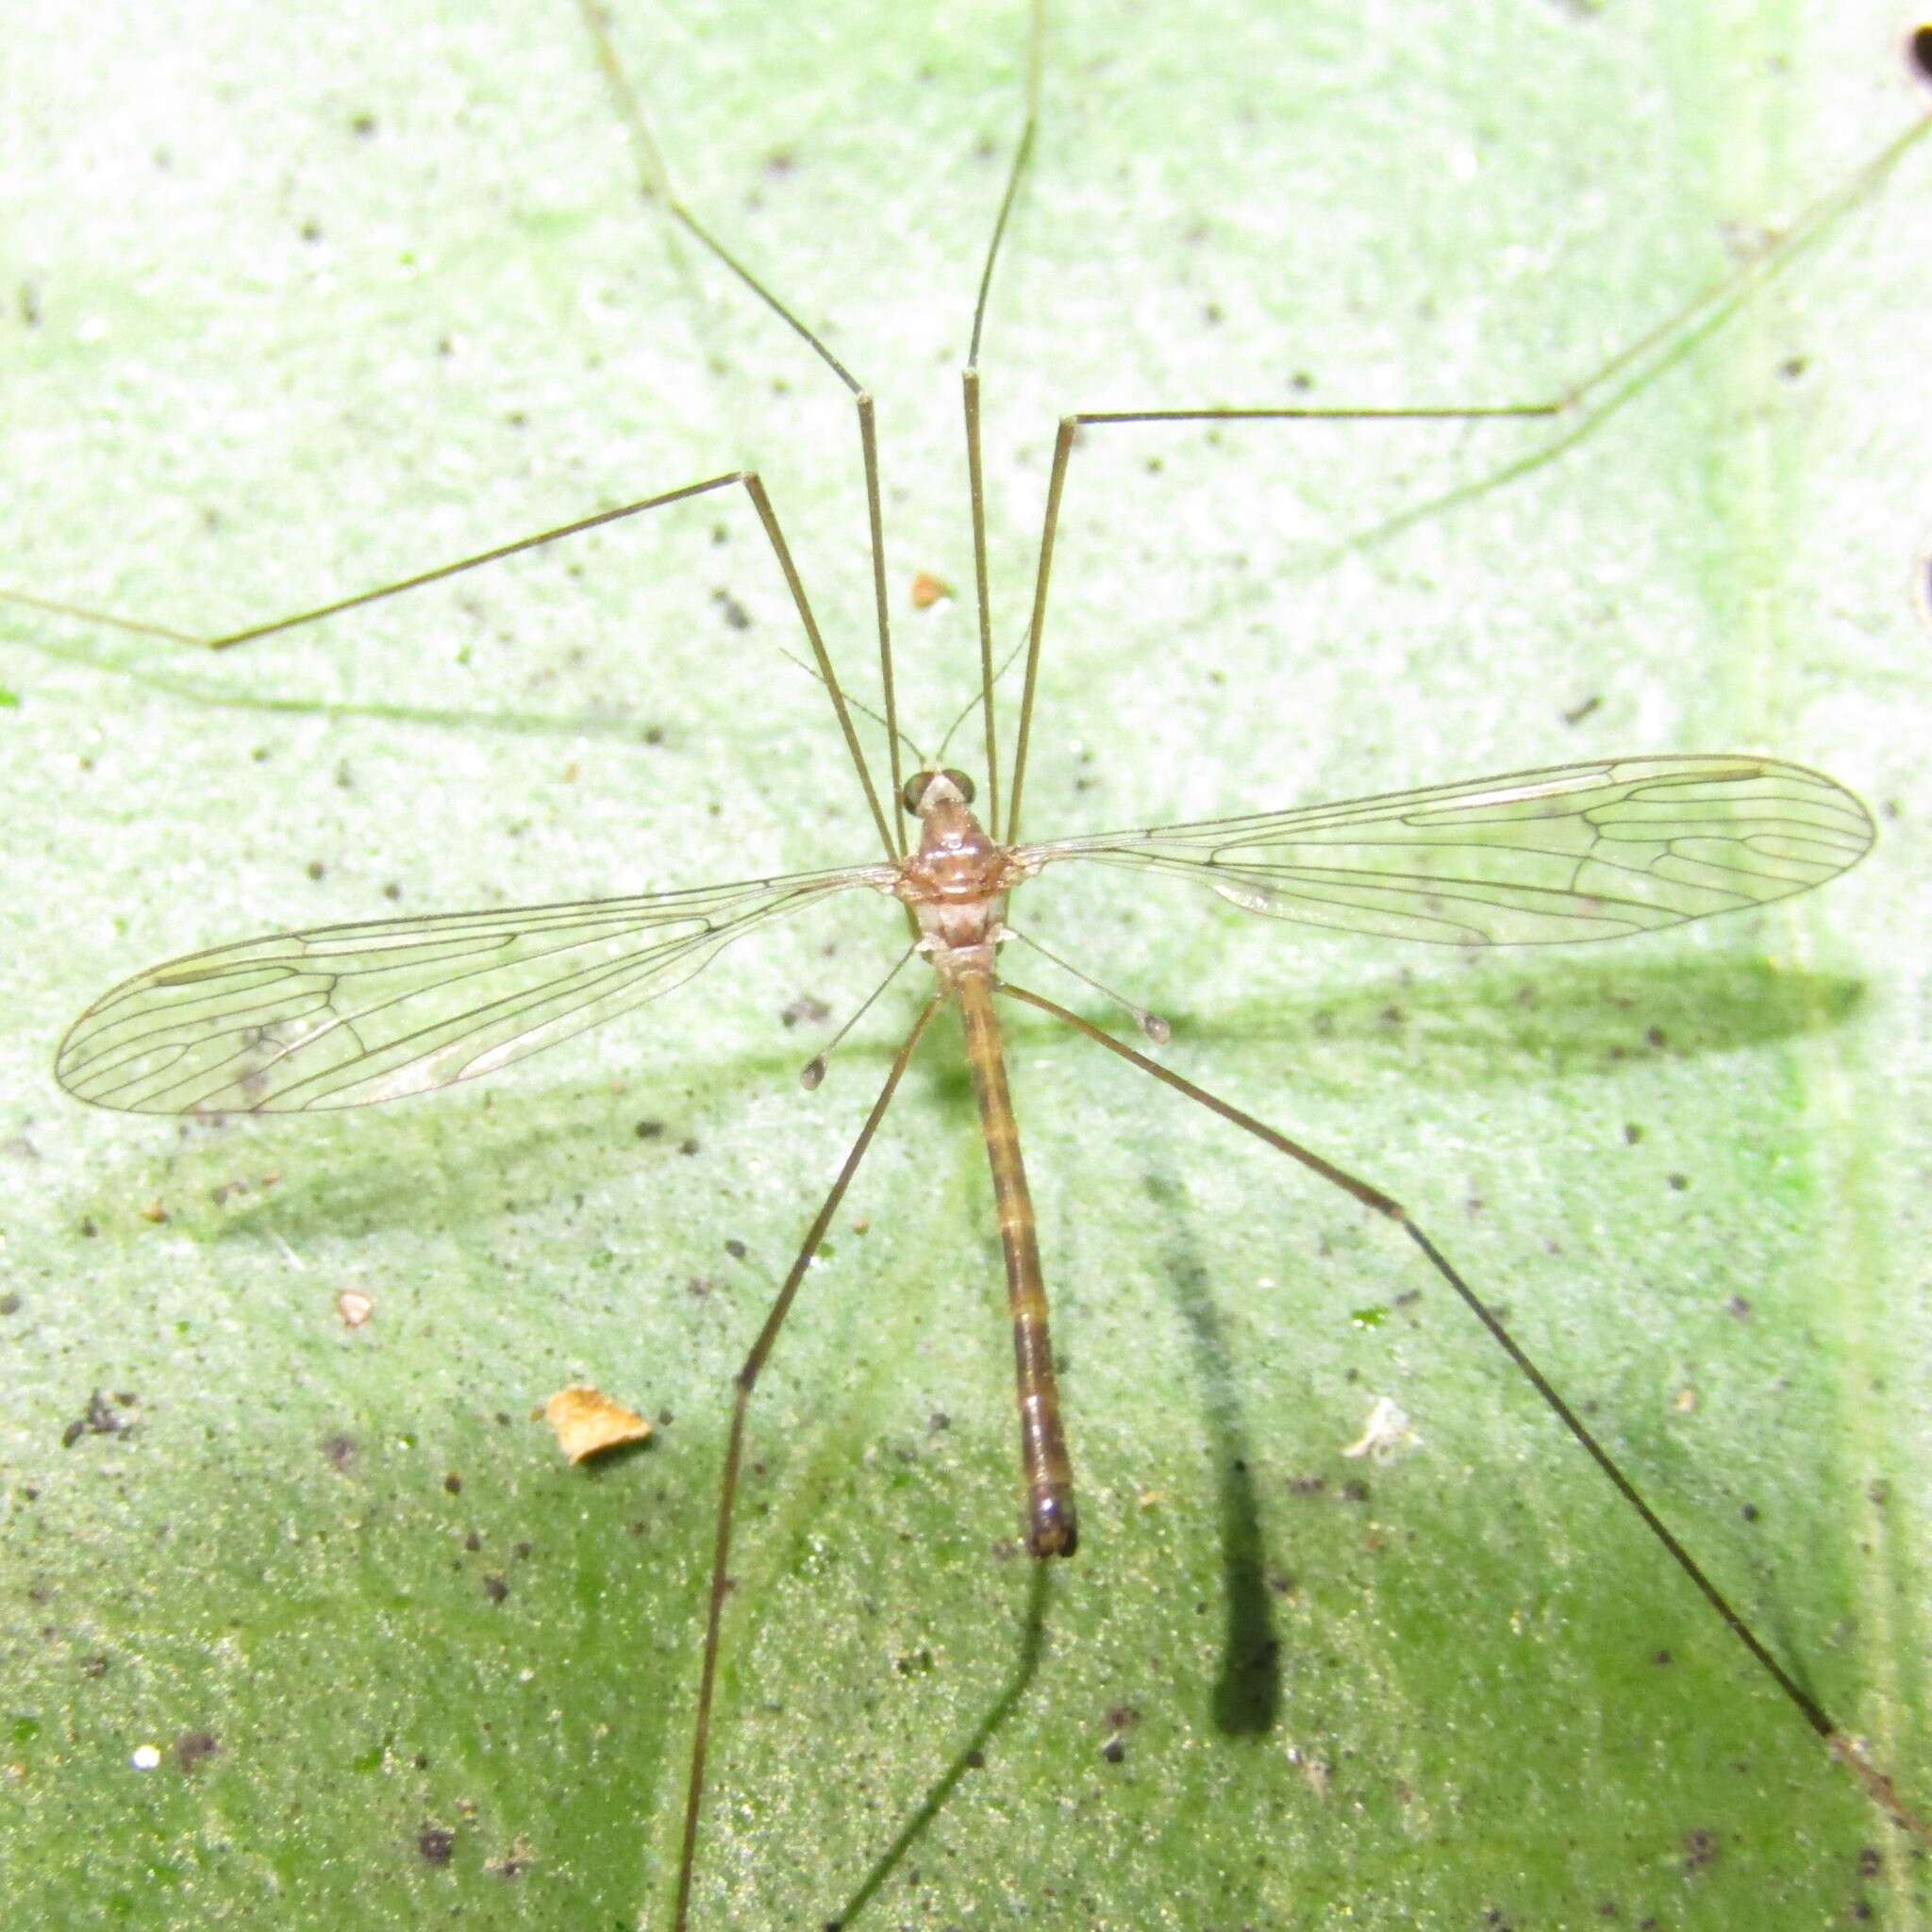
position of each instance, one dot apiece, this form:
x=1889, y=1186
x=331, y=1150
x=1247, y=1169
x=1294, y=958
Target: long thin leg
x=1070, y=428
x=727, y=1491
x=413, y=582
x=654, y=179
x=969, y=383
x=1836, y=1738
x=1588, y=400
x=975, y=494
x=768, y=520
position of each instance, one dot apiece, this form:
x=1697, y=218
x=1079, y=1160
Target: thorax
x=956, y=883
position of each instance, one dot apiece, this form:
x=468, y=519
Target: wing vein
x=1556, y=856
x=346, y=1015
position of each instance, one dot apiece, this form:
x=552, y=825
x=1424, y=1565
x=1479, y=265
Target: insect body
x=956, y=884
x=344, y=1015
x=339, y=1015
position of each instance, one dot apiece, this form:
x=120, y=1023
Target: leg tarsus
x=1876, y=1784
x=742, y=1385
x=654, y=179
x=226, y=640
x=1677, y=334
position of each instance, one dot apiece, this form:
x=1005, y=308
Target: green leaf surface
x=306, y=300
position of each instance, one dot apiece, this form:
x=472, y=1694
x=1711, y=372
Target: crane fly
x=344, y=1015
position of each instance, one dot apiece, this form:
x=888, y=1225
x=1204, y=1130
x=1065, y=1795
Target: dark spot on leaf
x=513, y=1863
x=99, y=1419
x=1699, y=1850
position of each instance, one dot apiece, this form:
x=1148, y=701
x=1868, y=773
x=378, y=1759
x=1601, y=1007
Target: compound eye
x=914, y=795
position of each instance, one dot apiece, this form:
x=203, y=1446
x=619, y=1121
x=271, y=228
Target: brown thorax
x=957, y=880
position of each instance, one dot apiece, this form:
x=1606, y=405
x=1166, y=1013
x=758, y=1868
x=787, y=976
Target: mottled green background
x=305, y=298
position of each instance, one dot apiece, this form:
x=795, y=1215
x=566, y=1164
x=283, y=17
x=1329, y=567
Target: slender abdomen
x=1052, y=1529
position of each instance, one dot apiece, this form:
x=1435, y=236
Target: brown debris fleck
x=587, y=1421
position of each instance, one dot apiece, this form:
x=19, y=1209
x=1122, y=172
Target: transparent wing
x=1545, y=857
x=344, y=1015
